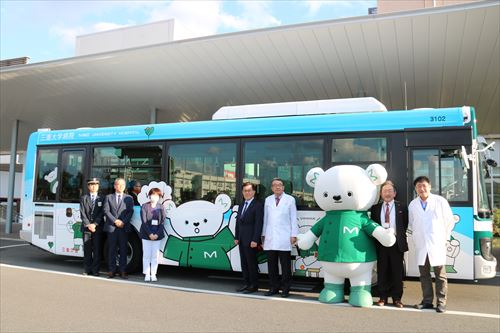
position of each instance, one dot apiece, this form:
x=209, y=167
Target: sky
x=46, y=30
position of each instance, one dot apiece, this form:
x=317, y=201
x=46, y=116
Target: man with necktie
x=279, y=233
x=92, y=215
x=389, y=213
x=118, y=209
x=247, y=237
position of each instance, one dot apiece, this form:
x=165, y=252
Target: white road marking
x=7, y=246
x=261, y=297
x=12, y=239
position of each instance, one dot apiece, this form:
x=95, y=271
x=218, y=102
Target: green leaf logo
x=51, y=244
x=149, y=131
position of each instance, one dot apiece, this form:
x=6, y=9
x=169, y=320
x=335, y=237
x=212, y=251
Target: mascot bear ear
x=313, y=175
x=376, y=173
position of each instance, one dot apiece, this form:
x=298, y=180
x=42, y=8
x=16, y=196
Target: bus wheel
x=134, y=253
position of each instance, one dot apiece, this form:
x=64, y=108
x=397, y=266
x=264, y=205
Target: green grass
x=496, y=242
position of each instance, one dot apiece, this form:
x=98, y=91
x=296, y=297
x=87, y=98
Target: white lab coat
x=431, y=229
x=280, y=223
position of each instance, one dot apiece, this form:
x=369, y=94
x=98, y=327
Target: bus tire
x=134, y=253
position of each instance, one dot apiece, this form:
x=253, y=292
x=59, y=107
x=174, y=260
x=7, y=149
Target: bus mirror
x=465, y=158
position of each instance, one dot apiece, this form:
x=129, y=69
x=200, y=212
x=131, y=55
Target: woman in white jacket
x=430, y=221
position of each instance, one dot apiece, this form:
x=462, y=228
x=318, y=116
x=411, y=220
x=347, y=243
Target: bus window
x=289, y=160
x=359, y=151
x=141, y=163
x=72, y=175
x=201, y=171
x=445, y=171
x=47, y=175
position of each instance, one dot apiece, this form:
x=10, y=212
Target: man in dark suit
x=389, y=213
x=248, y=231
x=92, y=214
x=118, y=209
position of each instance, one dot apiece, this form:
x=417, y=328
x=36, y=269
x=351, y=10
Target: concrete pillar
x=153, y=113
x=12, y=177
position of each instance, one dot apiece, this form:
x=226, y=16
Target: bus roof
x=325, y=106
x=309, y=124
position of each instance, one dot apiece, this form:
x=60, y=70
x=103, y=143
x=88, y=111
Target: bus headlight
x=486, y=249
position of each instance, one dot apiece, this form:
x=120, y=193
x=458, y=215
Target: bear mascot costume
x=346, y=246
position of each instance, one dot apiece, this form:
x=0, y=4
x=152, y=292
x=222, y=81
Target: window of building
x=289, y=160
x=133, y=163
x=47, y=178
x=201, y=171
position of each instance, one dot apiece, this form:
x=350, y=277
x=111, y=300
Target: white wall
x=124, y=38
x=4, y=184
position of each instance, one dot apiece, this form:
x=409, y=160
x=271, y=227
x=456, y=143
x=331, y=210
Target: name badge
x=99, y=203
x=154, y=222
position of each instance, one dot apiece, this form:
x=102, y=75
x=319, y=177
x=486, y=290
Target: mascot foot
x=361, y=296
x=332, y=293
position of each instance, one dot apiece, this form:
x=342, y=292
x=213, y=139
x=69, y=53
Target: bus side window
x=72, y=175
x=444, y=168
x=47, y=175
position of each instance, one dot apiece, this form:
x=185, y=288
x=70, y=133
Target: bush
x=496, y=222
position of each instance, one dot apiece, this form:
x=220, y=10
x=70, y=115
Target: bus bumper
x=25, y=235
x=484, y=269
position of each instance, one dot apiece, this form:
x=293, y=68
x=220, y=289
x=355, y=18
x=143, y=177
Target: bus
x=201, y=165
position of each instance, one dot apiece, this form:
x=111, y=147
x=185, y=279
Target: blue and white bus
x=201, y=165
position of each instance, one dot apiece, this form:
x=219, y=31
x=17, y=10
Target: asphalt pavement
x=44, y=292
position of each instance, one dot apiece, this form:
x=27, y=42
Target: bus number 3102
x=438, y=118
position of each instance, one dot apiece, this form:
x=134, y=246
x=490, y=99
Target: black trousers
x=117, y=238
x=92, y=251
x=249, y=265
x=285, y=261
x=390, y=272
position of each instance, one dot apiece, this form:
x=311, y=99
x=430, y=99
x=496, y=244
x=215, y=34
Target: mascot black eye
x=325, y=194
x=205, y=220
x=349, y=194
x=187, y=222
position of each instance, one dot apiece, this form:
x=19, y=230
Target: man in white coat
x=279, y=233
x=430, y=221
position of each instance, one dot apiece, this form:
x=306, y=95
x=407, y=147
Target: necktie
x=277, y=201
x=244, y=209
x=118, y=199
x=92, y=198
x=387, y=215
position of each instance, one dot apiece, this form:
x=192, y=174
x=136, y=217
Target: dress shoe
x=111, y=275
x=285, y=293
x=441, y=308
x=250, y=290
x=398, y=304
x=124, y=275
x=272, y=292
x=380, y=302
x=242, y=288
x=422, y=306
